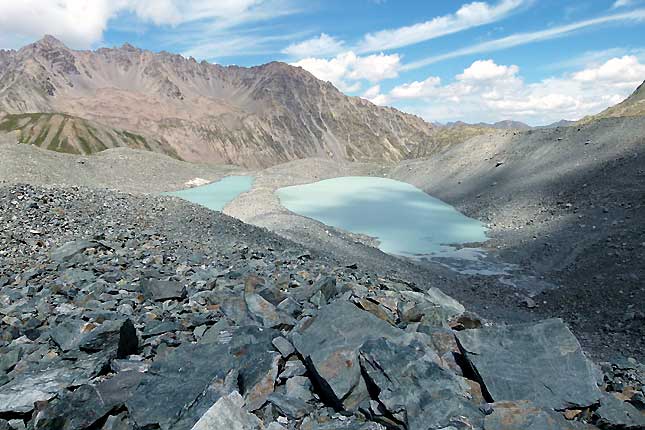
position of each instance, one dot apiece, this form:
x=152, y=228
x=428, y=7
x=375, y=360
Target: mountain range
x=197, y=111
x=86, y=101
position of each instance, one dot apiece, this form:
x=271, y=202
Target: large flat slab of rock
x=541, y=362
x=415, y=391
x=179, y=388
x=169, y=390
x=19, y=395
x=85, y=406
x=329, y=344
x=68, y=250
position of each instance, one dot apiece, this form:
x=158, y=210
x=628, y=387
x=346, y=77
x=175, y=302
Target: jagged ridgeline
x=73, y=135
x=254, y=117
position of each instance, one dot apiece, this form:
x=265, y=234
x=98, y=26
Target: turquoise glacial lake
x=406, y=221
x=218, y=194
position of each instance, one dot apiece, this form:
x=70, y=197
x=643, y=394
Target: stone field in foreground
x=129, y=312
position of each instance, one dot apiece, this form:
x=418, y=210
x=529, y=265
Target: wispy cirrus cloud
x=468, y=16
x=82, y=23
x=529, y=37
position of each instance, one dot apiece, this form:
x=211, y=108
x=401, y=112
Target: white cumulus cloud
x=346, y=70
x=490, y=92
x=624, y=71
x=81, y=23
x=374, y=95
x=486, y=70
x=320, y=46
x=416, y=89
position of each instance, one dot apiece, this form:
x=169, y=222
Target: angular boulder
x=541, y=362
x=228, y=413
x=413, y=391
x=614, y=413
x=68, y=250
x=329, y=345
x=85, y=406
x=160, y=291
x=19, y=395
x=169, y=391
x=179, y=388
x=119, y=337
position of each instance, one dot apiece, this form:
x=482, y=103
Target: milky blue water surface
x=218, y=194
x=403, y=218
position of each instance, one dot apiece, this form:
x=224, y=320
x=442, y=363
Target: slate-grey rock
x=20, y=394
x=70, y=249
x=159, y=290
x=523, y=415
x=118, y=336
x=616, y=414
x=228, y=413
x=167, y=394
x=432, y=307
x=85, y=406
x=328, y=287
x=284, y=347
x=329, y=344
x=8, y=359
x=179, y=388
x=68, y=334
x=266, y=313
x=541, y=362
x=293, y=408
x=293, y=368
x=339, y=423
x=117, y=422
x=413, y=391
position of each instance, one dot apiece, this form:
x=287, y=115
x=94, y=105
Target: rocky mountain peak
x=50, y=42
x=251, y=116
x=130, y=48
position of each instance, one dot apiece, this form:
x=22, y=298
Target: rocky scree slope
x=117, y=314
x=565, y=203
x=123, y=169
x=254, y=117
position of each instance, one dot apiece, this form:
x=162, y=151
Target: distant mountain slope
x=634, y=105
x=449, y=135
x=254, y=117
x=500, y=125
x=65, y=133
x=561, y=123
x=510, y=125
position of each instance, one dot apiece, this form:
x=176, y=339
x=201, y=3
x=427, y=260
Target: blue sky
x=532, y=60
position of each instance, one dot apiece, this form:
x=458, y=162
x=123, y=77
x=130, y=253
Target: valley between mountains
x=123, y=308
